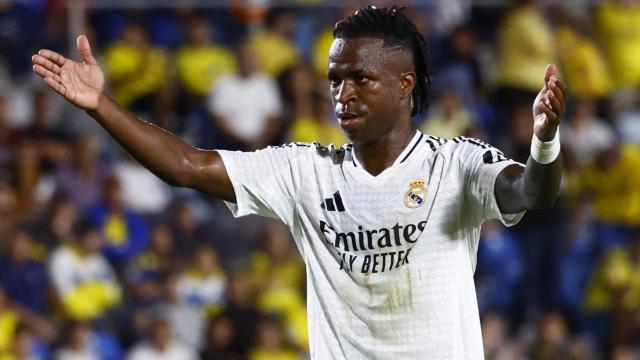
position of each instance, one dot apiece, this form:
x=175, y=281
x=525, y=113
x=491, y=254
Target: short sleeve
x=265, y=182
x=482, y=164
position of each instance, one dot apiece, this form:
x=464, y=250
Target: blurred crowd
x=101, y=260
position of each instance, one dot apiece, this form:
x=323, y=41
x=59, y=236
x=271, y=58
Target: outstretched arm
x=537, y=185
x=167, y=156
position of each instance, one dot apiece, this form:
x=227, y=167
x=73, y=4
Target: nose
x=345, y=93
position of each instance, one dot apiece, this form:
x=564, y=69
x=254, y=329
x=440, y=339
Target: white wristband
x=545, y=152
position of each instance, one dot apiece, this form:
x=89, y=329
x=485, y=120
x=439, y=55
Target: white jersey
x=389, y=258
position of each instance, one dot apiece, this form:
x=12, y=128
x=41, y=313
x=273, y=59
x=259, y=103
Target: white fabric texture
x=389, y=258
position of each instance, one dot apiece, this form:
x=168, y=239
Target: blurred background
x=101, y=260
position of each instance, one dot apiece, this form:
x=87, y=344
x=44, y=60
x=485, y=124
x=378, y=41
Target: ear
x=407, y=83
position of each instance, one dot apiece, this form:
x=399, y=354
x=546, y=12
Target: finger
x=549, y=71
x=41, y=60
x=554, y=86
x=52, y=56
x=552, y=117
x=42, y=71
x=556, y=104
x=85, y=50
x=56, y=86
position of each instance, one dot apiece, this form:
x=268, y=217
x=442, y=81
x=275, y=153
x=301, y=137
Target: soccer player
x=388, y=226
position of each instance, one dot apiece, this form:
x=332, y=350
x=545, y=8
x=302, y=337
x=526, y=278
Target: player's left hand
x=549, y=105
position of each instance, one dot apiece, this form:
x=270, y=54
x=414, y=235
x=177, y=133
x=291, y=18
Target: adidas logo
x=333, y=203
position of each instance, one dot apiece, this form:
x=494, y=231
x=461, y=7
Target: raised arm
x=166, y=155
x=537, y=185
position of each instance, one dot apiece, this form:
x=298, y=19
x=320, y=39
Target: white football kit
x=389, y=258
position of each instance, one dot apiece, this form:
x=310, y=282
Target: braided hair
x=395, y=29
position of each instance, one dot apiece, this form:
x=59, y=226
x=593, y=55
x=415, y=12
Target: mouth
x=348, y=120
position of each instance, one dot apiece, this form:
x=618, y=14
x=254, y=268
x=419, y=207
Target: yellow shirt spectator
x=262, y=354
x=133, y=72
x=321, y=51
x=275, y=53
x=614, y=190
x=583, y=65
x=618, y=27
x=617, y=275
x=200, y=67
x=526, y=46
x=308, y=129
x=8, y=324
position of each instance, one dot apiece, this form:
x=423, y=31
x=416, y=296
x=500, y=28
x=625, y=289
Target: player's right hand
x=81, y=84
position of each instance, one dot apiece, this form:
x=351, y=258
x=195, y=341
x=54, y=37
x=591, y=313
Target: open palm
x=79, y=83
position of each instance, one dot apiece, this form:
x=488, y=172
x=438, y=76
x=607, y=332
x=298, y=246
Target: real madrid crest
x=416, y=195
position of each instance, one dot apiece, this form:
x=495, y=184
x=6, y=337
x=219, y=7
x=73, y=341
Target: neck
x=380, y=154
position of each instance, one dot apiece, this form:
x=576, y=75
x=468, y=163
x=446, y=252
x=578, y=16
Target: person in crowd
x=617, y=29
x=200, y=62
x=271, y=343
x=219, y=338
x=160, y=344
x=24, y=279
x=145, y=272
x=246, y=127
x=125, y=232
x=279, y=24
x=136, y=70
x=202, y=284
x=448, y=119
x=80, y=179
x=83, y=279
x=587, y=134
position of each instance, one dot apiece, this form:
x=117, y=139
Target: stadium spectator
x=202, y=284
x=24, y=280
x=552, y=340
x=142, y=192
x=187, y=230
x=241, y=309
x=587, y=135
x=9, y=320
x=271, y=344
x=84, y=281
x=278, y=274
x=200, y=62
x=135, y=69
x=54, y=225
x=161, y=345
x=76, y=343
x=496, y=340
x=524, y=47
x=581, y=60
x=125, y=232
x=611, y=184
x=617, y=27
x=449, y=118
x=219, y=337
x=316, y=124
x=187, y=322
x=279, y=24
x=145, y=272
x=80, y=178
x=245, y=127
x=615, y=290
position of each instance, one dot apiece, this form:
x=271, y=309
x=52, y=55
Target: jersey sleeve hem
x=506, y=219
x=241, y=206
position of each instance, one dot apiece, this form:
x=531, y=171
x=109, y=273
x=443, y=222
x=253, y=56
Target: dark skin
x=371, y=87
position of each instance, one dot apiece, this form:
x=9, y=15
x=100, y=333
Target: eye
x=360, y=78
x=334, y=81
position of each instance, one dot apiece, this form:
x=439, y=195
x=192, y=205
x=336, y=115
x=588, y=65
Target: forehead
x=365, y=53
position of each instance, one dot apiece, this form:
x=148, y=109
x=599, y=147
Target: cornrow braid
x=391, y=25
